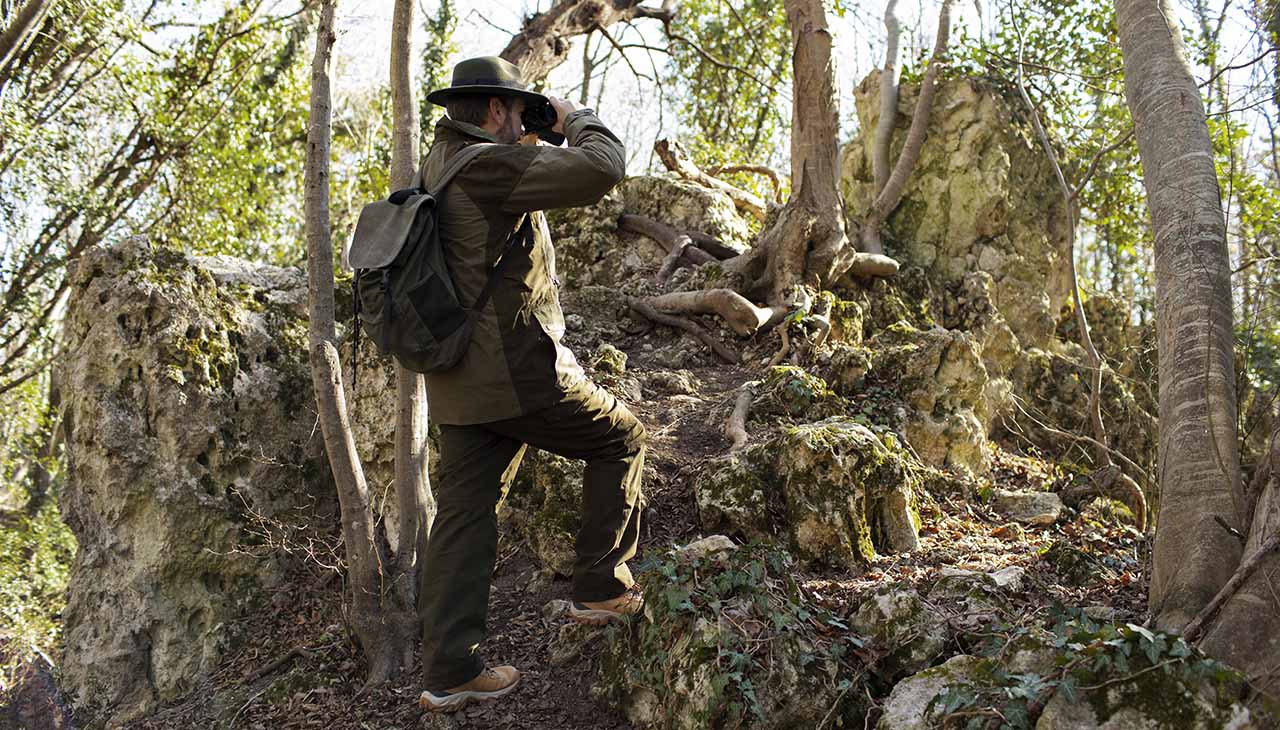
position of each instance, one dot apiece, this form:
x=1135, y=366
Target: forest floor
x=1088, y=560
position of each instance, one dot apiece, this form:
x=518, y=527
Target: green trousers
x=477, y=465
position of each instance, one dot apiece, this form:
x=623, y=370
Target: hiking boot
x=492, y=683
x=602, y=612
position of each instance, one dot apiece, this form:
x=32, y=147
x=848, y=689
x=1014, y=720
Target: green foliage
x=35, y=557
x=732, y=117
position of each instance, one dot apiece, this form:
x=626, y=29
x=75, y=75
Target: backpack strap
x=456, y=163
x=525, y=229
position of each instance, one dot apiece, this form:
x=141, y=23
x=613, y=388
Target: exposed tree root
x=743, y=317
x=872, y=264
x=647, y=311
x=1247, y=567
x=676, y=160
x=667, y=236
x=736, y=427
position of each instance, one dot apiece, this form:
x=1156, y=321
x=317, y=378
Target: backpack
x=404, y=296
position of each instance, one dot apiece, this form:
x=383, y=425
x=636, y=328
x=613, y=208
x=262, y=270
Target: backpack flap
x=383, y=229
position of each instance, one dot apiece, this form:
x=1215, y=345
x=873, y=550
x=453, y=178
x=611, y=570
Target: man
x=517, y=384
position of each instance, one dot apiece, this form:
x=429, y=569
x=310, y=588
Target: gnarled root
x=743, y=317
x=676, y=160
x=666, y=236
x=647, y=311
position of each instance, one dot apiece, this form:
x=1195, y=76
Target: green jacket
x=516, y=363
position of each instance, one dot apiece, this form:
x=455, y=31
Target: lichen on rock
x=189, y=420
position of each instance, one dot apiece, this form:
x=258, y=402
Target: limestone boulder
x=912, y=703
x=982, y=197
x=1029, y=508
x=902, y=632
x=729, y=642
x=190, y=425
x=835, y=490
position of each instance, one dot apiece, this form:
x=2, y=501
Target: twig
x=736, y=427
x=1193, y=630
x=648, y=312
x=294, y=653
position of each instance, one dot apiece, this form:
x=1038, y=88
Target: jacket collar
x=448, y=128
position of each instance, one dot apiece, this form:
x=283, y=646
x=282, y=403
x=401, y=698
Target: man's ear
x=497, y=110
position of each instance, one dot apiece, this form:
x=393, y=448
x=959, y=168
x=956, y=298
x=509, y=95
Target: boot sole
x=459, y=700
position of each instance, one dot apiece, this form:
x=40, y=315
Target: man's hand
x=563, y=109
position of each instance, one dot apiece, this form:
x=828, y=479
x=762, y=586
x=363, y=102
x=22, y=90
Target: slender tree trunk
x=1199, y=467
x=413, y=492
x=379, y=628
x=888, y=98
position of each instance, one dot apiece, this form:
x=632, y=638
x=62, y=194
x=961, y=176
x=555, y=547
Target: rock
x=668, y=382
x=609, y=359
x=1155, y=703
x=685, y=665
x=540, y=581
x=980, y=199
x=572, y=641
x=706, y=547
x=543, y=508
x=1009, y=578
x=555, y=609
x=971, y=599
x=939, y=374
x=188, y=400
x=834, y=488
x=790, y=391
x=1029, y=508
x=908, y=706
x=903, y=633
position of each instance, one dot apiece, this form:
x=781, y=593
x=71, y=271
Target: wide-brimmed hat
x=488, y=75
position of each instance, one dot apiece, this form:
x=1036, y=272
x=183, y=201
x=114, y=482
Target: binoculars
x=539, y=119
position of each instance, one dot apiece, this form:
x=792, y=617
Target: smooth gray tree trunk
x=1199, y=464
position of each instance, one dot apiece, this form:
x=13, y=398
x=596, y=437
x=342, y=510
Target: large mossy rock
x=592, y=250
x=836, y=491
x=190, y=426
x=728, y=640
x=981, y=198
x=543, y=508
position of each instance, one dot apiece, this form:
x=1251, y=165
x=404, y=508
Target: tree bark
x=542, y=43
x=888, y=197
x=888, y=98
x=1199, y=465
x=412, y=483
x=380, y=632
x=20, y=30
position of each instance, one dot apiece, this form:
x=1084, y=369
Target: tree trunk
x=542, y=43
x=1198, y=454
x=888, y=98
x=413, y=491
x=21, y=28
x=888, y=196
x=379, y=631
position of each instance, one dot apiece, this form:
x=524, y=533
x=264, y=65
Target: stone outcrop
x=981, y=198
x=835, y=490
x=190, y=430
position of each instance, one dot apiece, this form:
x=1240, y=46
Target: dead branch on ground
x=775, y=180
